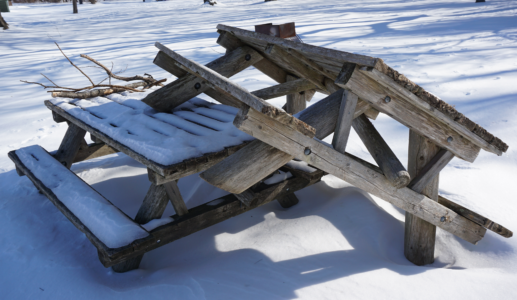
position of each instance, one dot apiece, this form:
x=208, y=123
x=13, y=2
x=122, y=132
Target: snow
x=277, y=177
x=104, y=220
x=338, y=242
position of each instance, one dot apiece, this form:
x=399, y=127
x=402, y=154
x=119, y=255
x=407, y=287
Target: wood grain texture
x=173, y=192
x=295, y=102
x=381, y=152
x=288, y=201
x=294, y=85
x=420, y=235
x=344, y=121
x=190, y=85
x=357, y=174
x=70, y=145
x=225, y=86
x=94, y=150
x=431, y=170
x=406, y=113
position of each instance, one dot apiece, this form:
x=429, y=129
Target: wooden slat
x=406, y=113
x=301, y=47
x=327, y=159
x=225, y=86
x=372, y=113
x=94, y=150
x=70, y=145
x=344, y=121
x=173, y=192
x=189, y=86
x=381, y=152
x=295, y=102
x=290, y=87
x=287, y=201
x=431, y=170
x=475, y=217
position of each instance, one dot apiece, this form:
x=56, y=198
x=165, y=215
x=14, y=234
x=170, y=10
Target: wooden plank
x=431, y=170
x=168, y=173
x=301, y=47
x=386, y=101
x=225, y=86
x=342, y=166
x=70, y=145
x=173, y=192
x=57, y=118
x=344, y=121
x=420, y=235
x=372, y=113
x=402, y=94
x=94, y=150
x=293, y=64
x=287, y=201
x=381, y=152
x=294, y=102
x=292, y=86
x=237, y=173
x=105, y=253
x=475, y=217
x=189, y=86
x=154, y=205
x=214, y=212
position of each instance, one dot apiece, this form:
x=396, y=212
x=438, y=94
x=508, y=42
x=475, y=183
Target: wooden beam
x=238, y=172
x=230, y=42
x=189, y=86
x=342, y=166
x=173, y=192
x=344, y=121
x=381, y=152
x=372, y=113
x=70, y=145
x=294, y=85
x=420, y=235
x=306, y=49
x=57, y=118
x=475, y=217
x=387, y=101
x=287, y=201
x=225, y=86
x=94, y=150
x=295, y=102
x=431, y=170
x=153, y=207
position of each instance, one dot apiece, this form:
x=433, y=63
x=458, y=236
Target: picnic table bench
x=238, y=145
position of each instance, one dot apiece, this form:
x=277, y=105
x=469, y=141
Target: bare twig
x=73, y=63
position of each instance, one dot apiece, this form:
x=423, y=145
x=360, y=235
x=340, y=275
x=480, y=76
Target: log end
x=402, y=179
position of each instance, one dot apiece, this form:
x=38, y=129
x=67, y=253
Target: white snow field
x=338, y=242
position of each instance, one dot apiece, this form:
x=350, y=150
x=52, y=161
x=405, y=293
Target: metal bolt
x=247, y=57
x=449, y=139
x=158, y=241
x=387, y=99
x=287, y=189
x=307, y=151
x=442, y=219
x=197, y=86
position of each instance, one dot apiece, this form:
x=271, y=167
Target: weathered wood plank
x=342, y=166
x=431, y=170
x=301, y=47
x=94, y=150
x=294, y=102
x=287, y=201
x=292, y=86
x=372, y=113
x=475, y=217
x=237, y=173
x=173, y=192
x=57, y=118
x=189, y=86
x=344, y=121
x=388, y=102
x=70, y=145
x=225, y=86
x=420, y=235
x=381, y=152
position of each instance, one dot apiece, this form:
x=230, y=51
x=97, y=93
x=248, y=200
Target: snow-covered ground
x=338, y=242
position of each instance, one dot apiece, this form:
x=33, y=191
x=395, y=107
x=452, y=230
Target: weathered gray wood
x=153, y=207
x=475, y=217
x=306, y=49
x=293, y=64
x=70, y=145
x=294, y=85
x=230, y=42
x=57, y=118
x=189, y=86
x=372, y=113
x=225, y=86
x=344, y=121
x=237, y=173
x=431, y=170
x=173, y=192
x=381, y=152
x=342, y=166
x=246, y=197
x=295, y=102
x=105, y=253
x=94, y=139
x=171, y=172
x=419, y=235
x=386, y=100
x=94, y=150
x=288, y=200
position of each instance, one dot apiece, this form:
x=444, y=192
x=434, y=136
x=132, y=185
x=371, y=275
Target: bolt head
x=247, y=57
x=387, y=99
x=197, y=86
x=442, y=219
x=307, y=151
x=449, y=139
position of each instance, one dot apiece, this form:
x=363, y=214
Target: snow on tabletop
x=195, y=128
x=103, y=219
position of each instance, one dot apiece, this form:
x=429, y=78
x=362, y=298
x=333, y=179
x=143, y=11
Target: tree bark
x=3, y=23
x=75, y=6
